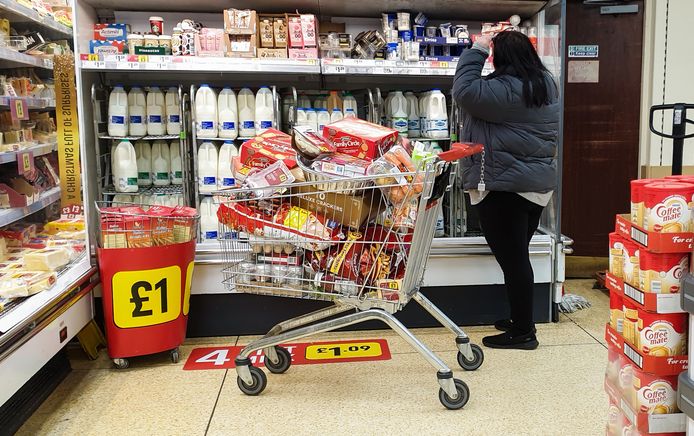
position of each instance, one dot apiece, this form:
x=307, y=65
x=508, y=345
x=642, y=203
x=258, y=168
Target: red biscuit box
x=137, y=227
x=267, y=148
x=184, y=225
x=360, y=138
x=162, y=225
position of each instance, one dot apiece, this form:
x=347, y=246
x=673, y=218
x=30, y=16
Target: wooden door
x=601, y=123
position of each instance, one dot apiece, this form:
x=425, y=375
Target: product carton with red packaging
x=656, y=303
x=668, y=206
x=662, y=365
x=360, y=138
x=655, y=242
x=661, y=273
x=137, y=227
x=267, y=148
x=662, y=334
x=184, y=224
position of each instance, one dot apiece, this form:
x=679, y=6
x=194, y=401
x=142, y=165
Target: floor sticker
x=302, y=354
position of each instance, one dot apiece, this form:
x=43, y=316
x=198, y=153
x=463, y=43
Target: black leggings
x=508, y=222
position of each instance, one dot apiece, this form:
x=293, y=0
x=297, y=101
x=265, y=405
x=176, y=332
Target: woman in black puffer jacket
x=514, y=112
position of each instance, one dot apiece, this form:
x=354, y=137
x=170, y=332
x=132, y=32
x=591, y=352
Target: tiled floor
x=554, y=390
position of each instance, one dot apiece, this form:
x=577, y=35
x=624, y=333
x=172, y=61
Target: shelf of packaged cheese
x=25, y=309
x=13, y=59
x=8, y=216
x=198, y=64
x=16, y=12
x=31, y=102
x=36, y=150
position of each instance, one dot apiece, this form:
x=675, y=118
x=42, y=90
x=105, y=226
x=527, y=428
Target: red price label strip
x=302, y=354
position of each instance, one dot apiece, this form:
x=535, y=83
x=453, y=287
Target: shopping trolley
x=308, y=240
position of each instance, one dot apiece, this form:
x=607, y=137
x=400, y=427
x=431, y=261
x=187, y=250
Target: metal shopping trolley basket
x=361, y=243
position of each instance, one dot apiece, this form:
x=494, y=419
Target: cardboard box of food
x=240, y=22
x=348, y=210
x=273, y=53
x=110, y=31
x=241, y=46
x=303, y=53
x=359, y=138
x=267, y=148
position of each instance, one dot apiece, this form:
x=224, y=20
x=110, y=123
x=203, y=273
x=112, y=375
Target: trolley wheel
x=283, y=365
x=175, y=355
x=259, y=382
x=121, y=363
x=458, y=403
x=475, y=362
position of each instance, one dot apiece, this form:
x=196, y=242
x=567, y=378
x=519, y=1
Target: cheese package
x=13, y=288
x=4, y=302
x=47, y=259
x=71, y=234
x=17, y=235
x=11, y=267
x=36, y=281
x=3, y=249
x=74, y=247
x=64, y=224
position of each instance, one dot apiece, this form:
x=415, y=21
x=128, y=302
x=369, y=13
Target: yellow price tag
x=142, y=58
x=443, y=64
x=343, y=351
x=26, y=162
x=19, y=109
x=93, y=57
x=146, y=298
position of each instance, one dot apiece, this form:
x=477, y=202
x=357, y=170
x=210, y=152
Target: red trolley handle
x=460, y=150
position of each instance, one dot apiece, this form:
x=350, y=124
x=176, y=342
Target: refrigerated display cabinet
x=34, y=330
x=462, y=276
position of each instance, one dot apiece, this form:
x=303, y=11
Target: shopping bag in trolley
x=146, y=260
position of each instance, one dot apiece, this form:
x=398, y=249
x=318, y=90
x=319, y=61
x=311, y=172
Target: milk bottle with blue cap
x=263, y=110
x=437, y=115
x=118, y=112
x=206, y=112
x=207, y=167
x=156, y=112
x=227, y=111
x=246, y=109
x=225, y=175
x=137, y=112
x=173, y=111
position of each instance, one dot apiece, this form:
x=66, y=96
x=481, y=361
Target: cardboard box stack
x=647, y=333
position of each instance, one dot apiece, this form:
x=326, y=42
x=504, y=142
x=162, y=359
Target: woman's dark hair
x=515, y=55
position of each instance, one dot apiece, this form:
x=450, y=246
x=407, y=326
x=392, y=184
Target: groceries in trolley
x=330, y=213
x=133, y=227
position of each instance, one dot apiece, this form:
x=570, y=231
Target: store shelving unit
x=467, y=254
x=35, y=150
x=31, y=102
x=8, y=216
x=13, y=59
x=16, y=12
x=34, y=329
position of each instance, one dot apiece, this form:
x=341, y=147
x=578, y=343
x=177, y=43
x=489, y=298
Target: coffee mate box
x=653, y=394
x=668, y=206
x=360, y=138
x=661, y=273
x=662, y=334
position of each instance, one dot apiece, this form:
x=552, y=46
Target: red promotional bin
x=146, y=289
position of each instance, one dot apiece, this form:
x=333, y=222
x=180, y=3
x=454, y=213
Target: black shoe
x=506, y=325
x=510, y=340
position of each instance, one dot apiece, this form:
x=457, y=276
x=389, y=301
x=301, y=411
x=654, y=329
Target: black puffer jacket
x=520, y=142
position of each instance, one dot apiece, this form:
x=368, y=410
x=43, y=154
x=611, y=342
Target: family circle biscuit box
x=359, y=138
